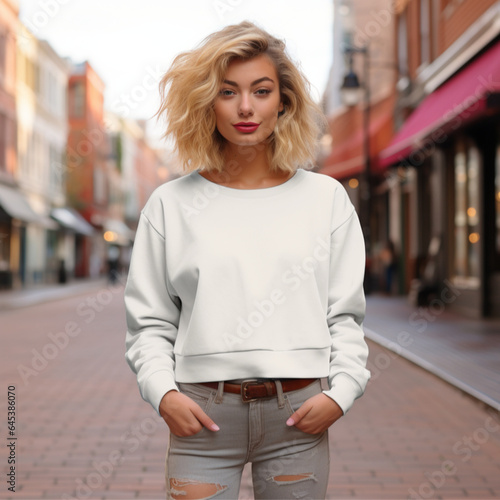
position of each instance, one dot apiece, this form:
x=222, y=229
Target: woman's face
x=249, y=101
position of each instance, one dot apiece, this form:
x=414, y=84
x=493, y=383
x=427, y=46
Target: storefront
x=23, y=239
x=75, y=230
x=450, y=147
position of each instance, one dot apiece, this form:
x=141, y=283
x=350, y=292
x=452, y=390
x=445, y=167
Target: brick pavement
x=84, y=432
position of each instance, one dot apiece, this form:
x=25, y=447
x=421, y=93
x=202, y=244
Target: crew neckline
x=251, y=193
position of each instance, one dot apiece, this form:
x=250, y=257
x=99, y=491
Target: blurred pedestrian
x=246, y=280
x=113, y=263
x=62, y=274
x=388, y=260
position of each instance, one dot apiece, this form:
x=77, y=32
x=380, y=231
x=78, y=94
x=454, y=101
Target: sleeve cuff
x=344, y=391
x=156, y=386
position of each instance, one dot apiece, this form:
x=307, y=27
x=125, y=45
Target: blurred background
x=80, y=149
x=411, y=90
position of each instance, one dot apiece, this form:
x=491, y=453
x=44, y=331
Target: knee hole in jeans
x=293, y=478
x=190, y=489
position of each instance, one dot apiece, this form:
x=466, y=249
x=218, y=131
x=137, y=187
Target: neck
x=247, y=168
x=246, y=163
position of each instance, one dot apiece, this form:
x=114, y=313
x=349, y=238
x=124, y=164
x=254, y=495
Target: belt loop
x=220, y=393
x=279, y=393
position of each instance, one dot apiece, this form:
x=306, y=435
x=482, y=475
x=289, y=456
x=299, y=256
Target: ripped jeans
x=286, y=462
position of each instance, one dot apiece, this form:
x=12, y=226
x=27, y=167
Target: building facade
x=364, y=42
x=87, y=154
x=444, y=160
x=10, y=251
x=71, y=185
x=42, y=131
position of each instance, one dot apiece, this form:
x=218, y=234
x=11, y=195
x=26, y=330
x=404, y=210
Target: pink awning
x=457, y=102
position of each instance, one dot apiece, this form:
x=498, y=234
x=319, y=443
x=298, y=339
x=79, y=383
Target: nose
x=245, y=105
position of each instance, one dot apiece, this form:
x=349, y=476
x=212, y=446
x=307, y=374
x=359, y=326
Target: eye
x=226, y=92
x=263, y=92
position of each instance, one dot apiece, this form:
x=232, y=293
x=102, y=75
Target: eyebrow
x=256, y=82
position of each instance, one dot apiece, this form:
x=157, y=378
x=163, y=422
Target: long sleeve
x=348, y=375
x=152, y=313
x=231, y=283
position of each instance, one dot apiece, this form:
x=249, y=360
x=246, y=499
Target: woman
x=245, y=285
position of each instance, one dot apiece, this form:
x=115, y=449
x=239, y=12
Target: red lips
x=246, y=127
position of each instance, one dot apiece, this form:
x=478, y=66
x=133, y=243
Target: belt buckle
x=244, y=390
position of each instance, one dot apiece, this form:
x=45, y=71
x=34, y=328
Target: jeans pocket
x=295, y=399
x=203, y=397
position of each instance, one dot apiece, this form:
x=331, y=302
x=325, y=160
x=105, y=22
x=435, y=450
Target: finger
x=301, y=412
x=204, y=419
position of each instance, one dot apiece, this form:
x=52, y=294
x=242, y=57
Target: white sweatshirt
x=229, y=283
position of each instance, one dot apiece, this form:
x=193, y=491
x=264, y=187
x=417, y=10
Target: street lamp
x=351, y=87
x=352, y=92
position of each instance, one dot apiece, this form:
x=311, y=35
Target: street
x=82, y=430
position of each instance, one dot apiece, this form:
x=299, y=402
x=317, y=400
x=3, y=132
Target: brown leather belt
x=251, y=390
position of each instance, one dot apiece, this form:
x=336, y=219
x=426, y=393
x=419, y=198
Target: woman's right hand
x=183, y=416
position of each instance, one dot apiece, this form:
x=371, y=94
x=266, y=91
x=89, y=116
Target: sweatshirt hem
x=308, y=363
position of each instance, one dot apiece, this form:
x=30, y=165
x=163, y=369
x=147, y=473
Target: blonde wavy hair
x=189, y=88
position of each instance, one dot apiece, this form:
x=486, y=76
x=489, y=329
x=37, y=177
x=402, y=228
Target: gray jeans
x=286, y=462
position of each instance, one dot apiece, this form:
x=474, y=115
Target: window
x=4, y=242
x=497, y=202
x=467, y=233
x=30, y=146
x=345, y=11
x=77, y=100
x=52, y=89
x=30, y=73
x=57, y=173
x=99, y=186
x=3, y=142
x=3, y=52
x=402, y=44
x=425, y=33
x=38, y=83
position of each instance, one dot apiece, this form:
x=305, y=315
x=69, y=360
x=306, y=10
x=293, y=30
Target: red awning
x=458, y=101
x=347, y=159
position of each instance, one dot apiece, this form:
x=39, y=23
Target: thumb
x=204, y=419
x=298, y=415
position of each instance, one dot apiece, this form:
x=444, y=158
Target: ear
x=281, y=109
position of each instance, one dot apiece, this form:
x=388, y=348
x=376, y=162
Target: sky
x=130, y=43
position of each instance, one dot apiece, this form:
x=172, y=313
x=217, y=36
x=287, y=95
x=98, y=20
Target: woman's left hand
x=316, y=414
